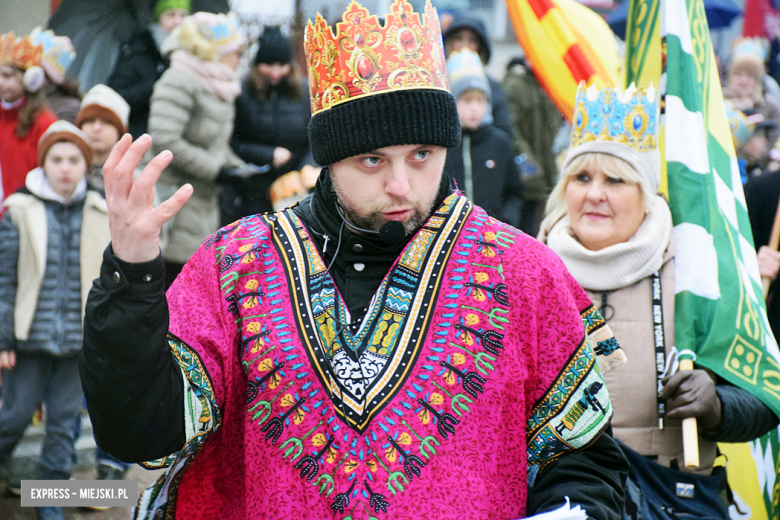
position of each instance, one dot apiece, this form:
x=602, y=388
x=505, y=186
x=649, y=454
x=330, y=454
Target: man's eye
x=422, y=155
x=370, y=161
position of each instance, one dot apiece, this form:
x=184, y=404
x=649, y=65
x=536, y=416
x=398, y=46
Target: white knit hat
x=102, y=101
x=64, y=131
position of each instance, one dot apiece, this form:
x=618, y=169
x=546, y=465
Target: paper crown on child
x=58, y=53
x=362, y=57
x=618, y=122
x=465, y=71
x=21, y=53
x=374, y=85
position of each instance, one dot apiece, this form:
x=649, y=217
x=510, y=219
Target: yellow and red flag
x=565, y=43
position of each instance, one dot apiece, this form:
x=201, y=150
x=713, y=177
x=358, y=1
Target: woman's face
x=11, y=86
x=275, y=72
x=604, y=209
x=232, y=60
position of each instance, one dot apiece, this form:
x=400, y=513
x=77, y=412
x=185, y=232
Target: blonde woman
x=613, y=231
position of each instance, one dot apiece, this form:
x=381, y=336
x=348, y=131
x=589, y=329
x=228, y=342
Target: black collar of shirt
x=362, y=261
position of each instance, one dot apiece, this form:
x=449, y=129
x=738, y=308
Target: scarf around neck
x=215, y=77
x=619, y=265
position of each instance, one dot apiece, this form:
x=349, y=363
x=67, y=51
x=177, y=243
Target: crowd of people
x=541, y=241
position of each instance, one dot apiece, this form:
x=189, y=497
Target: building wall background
x=22, y=16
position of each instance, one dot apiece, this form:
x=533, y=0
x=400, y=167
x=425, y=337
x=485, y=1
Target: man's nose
x=398, y=181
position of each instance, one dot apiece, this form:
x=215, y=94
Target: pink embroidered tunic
x=473, y=369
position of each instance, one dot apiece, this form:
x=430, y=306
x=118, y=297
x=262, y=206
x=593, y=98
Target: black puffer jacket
x=260, y=127
x=137, y=68
x=56, y=325
x=487, y=157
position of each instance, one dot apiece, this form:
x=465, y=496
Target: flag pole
x=690, y=430
x=774, y=241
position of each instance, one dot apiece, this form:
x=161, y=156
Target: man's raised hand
x=135, y=225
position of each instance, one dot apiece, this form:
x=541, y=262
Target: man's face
x=460, y=39
x=64, y=167
x=396, y=183
x=101, y=133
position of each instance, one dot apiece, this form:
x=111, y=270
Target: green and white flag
x=720, y=316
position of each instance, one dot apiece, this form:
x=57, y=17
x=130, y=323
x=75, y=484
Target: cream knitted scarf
x=620, y=265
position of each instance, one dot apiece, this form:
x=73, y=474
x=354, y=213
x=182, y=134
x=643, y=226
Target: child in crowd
x=23, y=114
x=103, y=117
x=484, y=165
x=62, y=94
x=53, y=234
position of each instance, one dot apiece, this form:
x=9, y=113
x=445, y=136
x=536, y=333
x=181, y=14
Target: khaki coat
x=632, y=387
x=196, y=126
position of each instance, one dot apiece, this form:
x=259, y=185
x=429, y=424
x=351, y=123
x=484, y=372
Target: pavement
x=10, y=508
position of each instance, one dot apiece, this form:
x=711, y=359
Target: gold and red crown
x=363, y=57
x=19, y=52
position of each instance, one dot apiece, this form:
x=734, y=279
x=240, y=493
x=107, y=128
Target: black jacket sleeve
x=592, y=478
x=132, y=382
x=745, y=417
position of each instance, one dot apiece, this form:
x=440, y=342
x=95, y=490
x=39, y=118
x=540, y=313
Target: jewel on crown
x=363, y=57
x=628, y=117
x=19, y=52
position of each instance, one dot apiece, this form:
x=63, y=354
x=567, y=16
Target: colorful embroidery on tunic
x=201, y=417
x=435, y=334
x=365, y=371
x=601, y=340
x=572, y=414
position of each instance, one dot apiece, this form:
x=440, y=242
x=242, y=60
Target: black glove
x=691, y=393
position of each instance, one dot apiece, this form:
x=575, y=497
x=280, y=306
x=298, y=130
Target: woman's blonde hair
x=557, y=207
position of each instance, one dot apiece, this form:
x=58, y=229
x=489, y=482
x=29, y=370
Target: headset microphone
x=391, y=233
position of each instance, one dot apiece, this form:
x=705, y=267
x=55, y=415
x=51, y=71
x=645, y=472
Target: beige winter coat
x=632, y=388
x=196, y=126
x=28, y=214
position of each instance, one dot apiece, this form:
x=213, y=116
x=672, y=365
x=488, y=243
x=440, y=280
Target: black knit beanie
x=405, y=116
x=274, y=47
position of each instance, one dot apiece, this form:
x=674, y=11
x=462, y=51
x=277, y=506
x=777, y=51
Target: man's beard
x=375, y=219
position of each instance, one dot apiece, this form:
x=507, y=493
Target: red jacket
x=18, y=155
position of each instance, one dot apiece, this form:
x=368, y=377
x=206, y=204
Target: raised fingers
x=170, y=207
x=143, y=187
x=123, y=172
x=117, y=152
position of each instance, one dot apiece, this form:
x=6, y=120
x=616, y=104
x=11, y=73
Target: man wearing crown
x=382, y=350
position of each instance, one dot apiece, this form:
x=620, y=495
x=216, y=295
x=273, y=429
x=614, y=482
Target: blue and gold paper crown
x=58, y=52
x=626, y=117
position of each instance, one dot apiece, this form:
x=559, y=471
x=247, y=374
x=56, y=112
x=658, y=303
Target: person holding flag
x=612, y=229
